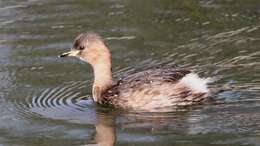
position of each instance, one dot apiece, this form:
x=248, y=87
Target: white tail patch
x=196, y=83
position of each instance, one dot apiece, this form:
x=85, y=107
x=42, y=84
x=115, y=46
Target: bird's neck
x=103, y=75
x=102, y=80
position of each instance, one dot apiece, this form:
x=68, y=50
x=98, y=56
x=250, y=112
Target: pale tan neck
x=102, y=80
x=103, y=75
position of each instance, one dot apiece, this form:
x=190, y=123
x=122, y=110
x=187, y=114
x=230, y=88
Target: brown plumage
x=148, y=90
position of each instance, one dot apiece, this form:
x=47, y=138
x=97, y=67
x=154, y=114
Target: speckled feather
x=151, y=89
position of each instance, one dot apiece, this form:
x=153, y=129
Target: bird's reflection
x=108, y=121
x=105, y=129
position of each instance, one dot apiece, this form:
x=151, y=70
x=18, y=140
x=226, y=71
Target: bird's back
x=153, y=89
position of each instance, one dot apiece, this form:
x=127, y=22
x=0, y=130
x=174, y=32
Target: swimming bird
x=146, y=90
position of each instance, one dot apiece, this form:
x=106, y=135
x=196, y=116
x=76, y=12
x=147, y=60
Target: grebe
x=146, y=90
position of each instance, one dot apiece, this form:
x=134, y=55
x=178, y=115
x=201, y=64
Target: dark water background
x=43, y=99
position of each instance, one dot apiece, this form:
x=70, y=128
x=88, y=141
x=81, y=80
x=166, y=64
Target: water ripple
x=65, y=102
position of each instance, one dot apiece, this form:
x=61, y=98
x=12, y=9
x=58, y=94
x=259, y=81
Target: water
x=45, y=100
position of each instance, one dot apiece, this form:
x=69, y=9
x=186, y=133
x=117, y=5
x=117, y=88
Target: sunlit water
x=46, y=101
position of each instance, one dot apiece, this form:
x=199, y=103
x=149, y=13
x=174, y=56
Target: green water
x=43, y=99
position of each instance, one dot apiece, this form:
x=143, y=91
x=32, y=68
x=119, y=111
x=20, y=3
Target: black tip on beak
x=64, y=55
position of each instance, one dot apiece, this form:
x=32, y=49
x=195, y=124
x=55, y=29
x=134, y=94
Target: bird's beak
x=73, y=52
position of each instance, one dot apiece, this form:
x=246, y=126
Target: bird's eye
x=81, y=48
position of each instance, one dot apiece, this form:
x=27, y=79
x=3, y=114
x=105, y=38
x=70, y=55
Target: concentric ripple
x=66, y=102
